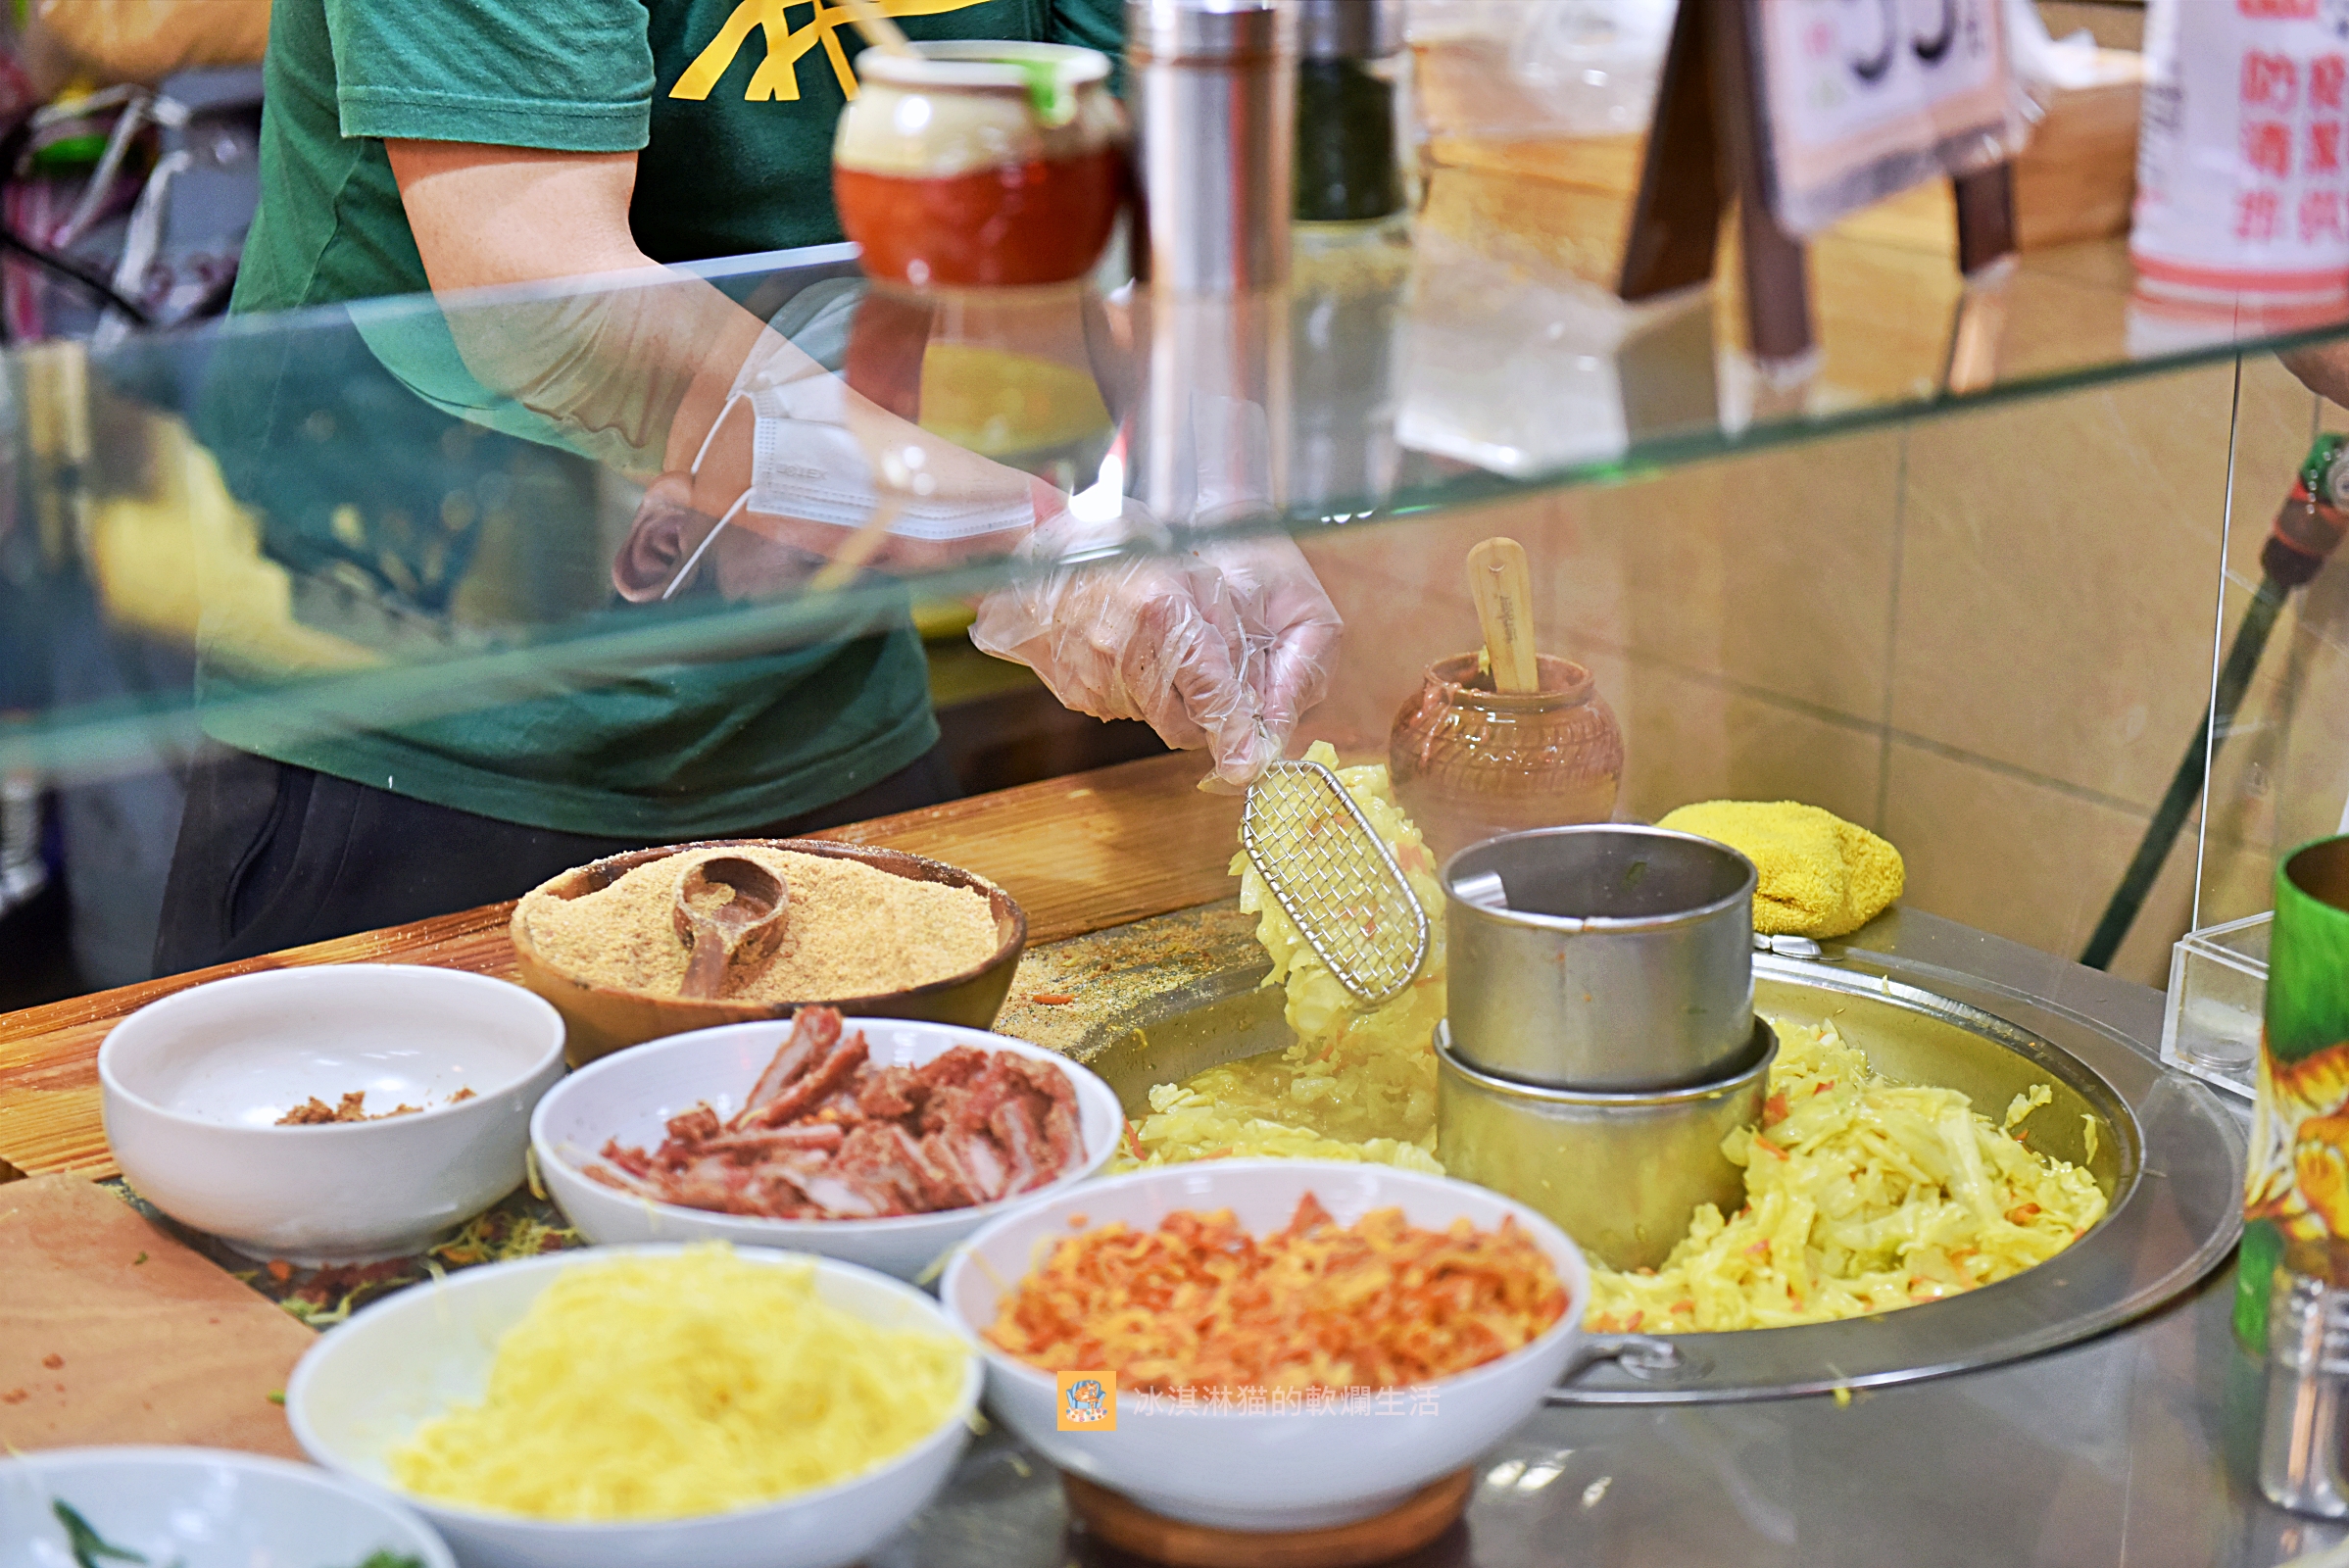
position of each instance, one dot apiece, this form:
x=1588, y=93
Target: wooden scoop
x=747, y=925
x=1503, y=586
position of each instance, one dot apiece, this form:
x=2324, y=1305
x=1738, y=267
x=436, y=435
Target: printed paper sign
x=1864, y=98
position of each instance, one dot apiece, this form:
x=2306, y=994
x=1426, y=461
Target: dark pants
x=272, y=855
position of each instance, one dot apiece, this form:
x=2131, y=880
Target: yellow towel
x=1820, y=876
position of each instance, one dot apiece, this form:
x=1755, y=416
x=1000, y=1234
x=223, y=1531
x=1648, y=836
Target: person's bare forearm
x=630, y=355
x=496, y=216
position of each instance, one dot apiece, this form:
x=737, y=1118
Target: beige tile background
x=1987, y=637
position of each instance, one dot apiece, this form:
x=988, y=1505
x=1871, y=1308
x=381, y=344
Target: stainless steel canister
x=1214, y=99
x=1621, y=1173
x=1214, y=95
x=1600, y=957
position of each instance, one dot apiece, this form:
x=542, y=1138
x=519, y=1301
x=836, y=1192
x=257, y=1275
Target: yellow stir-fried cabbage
x=1862, y=1196
x=1358, y=1085
x=663, y=1387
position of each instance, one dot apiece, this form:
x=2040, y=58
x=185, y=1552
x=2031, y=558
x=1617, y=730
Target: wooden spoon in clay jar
x=744, y=926
x=1503, y=586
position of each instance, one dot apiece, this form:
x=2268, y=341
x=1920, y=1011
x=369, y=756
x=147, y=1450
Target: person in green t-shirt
x=455, y=145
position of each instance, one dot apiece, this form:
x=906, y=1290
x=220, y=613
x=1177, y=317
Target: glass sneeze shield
x=453, y=520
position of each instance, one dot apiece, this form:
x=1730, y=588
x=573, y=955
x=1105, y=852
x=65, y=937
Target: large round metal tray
x=2168, y=1153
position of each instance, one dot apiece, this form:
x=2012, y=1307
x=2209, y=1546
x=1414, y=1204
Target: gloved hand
x=1221, y=646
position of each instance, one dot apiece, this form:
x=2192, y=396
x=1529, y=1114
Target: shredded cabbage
x=663, y=1388
x=1355, y=1085
x=1862, y=1196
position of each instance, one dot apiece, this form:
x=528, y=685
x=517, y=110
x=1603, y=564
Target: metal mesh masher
x=1333, y=876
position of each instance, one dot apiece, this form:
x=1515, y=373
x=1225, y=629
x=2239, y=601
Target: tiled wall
x=1987, y=636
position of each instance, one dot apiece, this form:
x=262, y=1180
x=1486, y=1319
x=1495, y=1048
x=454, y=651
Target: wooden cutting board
x=113, y=1332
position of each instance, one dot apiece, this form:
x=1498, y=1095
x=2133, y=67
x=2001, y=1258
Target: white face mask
x=805, y=464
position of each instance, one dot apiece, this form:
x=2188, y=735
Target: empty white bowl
x=193, y=1085
x=1286, y=1470
x=200, y=1509
x=369, y=1383
x=631, y=1094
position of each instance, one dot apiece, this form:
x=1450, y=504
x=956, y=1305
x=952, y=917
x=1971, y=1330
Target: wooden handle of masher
x=1503, y=585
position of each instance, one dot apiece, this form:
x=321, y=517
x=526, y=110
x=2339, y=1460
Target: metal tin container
x=1600, y=958
x=1214, y=85
x=1621, y=1173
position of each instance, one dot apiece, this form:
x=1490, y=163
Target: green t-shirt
x=730, y=106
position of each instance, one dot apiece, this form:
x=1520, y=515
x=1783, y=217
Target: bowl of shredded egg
x=691, y=1404
x=1269, y=1345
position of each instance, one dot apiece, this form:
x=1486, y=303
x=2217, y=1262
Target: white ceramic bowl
x=203, y=1508
x=370, y=1382
x=192, y=1086
x=630, y=1093
x=1294, y=1470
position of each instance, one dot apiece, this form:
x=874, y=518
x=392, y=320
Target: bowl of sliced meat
x=877, y=1141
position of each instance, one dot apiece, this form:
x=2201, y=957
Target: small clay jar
x=1469, y=761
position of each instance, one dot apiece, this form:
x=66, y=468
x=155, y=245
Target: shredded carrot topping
x=1199, y=1302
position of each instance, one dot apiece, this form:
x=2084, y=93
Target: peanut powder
x=850, y=931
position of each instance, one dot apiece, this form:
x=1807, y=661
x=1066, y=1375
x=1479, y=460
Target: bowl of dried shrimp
x=1269, y=1345
x=877, y=1141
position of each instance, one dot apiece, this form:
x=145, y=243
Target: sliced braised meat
x=1015, y=1127
x=889, y=1093
x=823, y=1137
x=694, y=1126
x=825, y=1133
x=835, y=1071
x=958, y=1065
x=813, y=1032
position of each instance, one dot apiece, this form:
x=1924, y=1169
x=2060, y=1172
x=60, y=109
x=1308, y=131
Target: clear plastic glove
x=1221, y=646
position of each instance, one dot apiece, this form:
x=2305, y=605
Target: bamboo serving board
x=1080, y=854
x=113, y=1332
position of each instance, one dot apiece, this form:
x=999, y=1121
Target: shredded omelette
x=1862, y=1196
x=1199, y=1302
x=665, y=1388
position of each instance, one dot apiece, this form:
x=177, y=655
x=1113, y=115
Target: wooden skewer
x=1503, y=586
x=878, y=28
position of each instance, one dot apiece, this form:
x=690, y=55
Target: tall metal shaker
x=2292, y=1284
x=1214, y=99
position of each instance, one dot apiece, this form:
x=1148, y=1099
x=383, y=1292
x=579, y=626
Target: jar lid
x=1235, y=30
x=1349, y=29
x=982, y=63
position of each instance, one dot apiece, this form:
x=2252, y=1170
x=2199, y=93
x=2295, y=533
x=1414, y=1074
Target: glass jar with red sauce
x=975, y=164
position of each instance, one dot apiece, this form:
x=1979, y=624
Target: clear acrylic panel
x=1962, y=598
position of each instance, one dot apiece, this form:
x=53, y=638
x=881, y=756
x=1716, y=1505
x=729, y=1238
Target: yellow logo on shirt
x=778, y=75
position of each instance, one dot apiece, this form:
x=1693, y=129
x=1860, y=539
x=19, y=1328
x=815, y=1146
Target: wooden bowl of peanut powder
x=873, y=932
